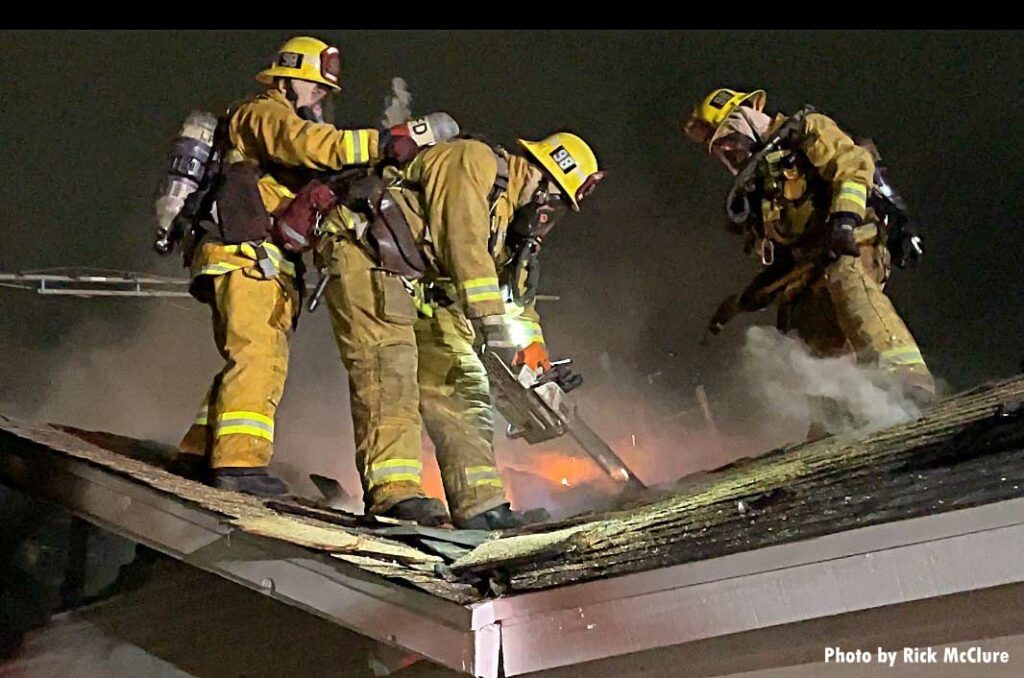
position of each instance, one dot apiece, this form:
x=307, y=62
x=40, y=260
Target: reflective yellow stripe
x=395, y=477
x=392, y=463
x=287, y=267
x=248, y=251
x=419, y=299
x=477, y=476
x=527, y=328
x=242, y=414
x=350, y=219
x=362, y=152
x=480, y=282
x=491, y=482
x=852, y=191
x=245, y=250
x=218, y=269
x=482, y=289
x=202, y=416
x=854, y=187
x=523, y=331
x=483, y=296
x=531, y=328
x=357, y=147
x=907, y=355
x=242, y=429
x=245, y=423
x=395, y=471
x=349, y=146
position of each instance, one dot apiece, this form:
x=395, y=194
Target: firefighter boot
x=190, y=466
x=498, y=518
x=421, y=510
x=255, y=481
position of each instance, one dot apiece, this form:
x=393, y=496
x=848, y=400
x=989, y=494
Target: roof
x=802, y=506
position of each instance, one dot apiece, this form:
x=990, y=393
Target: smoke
x=128, y=384
x=398, y=104
x=835, y=395
x=72, y=644
x=661, y=434
x=149, y=383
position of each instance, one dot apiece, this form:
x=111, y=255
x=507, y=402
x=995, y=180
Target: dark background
x=88, y=118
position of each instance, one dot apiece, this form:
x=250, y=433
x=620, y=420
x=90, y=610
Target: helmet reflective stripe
x=330, y=65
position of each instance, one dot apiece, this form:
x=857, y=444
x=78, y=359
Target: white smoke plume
x=398, y=104
x=795, y=385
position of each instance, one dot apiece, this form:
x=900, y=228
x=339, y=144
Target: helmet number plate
x=289, y=60
x=721, y=99
x=565, y=162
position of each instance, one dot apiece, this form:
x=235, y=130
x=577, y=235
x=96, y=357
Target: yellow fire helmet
x=305, y=58
x=709, y=115
x=569, y=161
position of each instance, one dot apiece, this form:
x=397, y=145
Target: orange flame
x=556, y=467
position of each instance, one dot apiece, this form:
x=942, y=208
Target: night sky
x=88, y=118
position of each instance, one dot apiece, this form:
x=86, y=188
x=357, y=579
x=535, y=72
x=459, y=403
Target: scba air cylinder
x=190, y=152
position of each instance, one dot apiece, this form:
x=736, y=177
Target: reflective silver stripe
x=363, y=154
x=395, y=471
x=853, y=191
x=244, y=421
x=482, y=289
x=901, y=356
x=357, y=147
x=292, y=233
x=852, y=196
x=482, y=475
x=579, y=174
x=481, y=285
x=280, y=263
x=854, y=187
x=268, y=267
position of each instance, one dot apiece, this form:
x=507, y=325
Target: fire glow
x=558, y=468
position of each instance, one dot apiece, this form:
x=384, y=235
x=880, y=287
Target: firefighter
x=444, y=267
x=240, y=267
x=801, y=197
